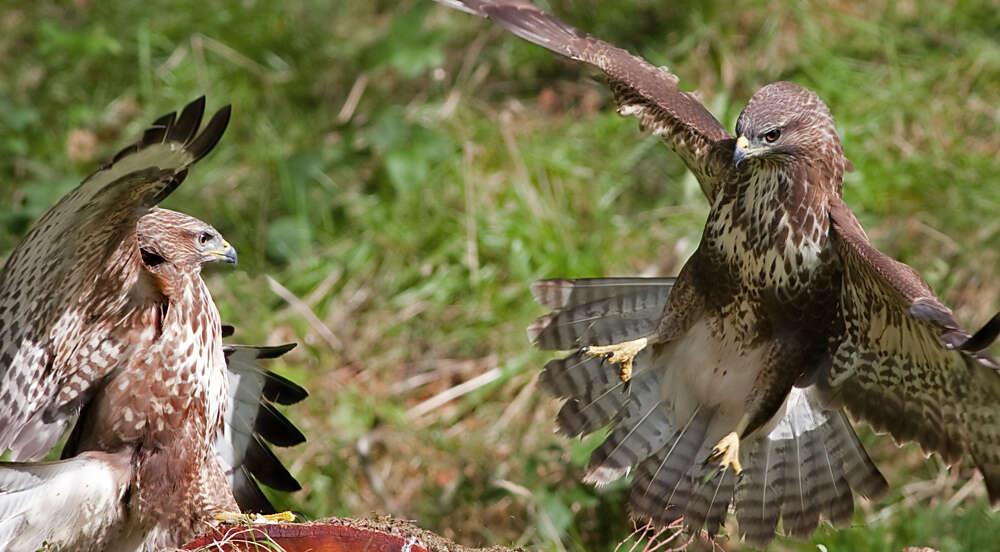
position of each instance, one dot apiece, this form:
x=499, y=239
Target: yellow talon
x=727, y=453
x=622, y=354
x=239, y=517
x=280, y=516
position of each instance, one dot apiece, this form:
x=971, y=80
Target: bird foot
x=620, y=353
x=727, y=453
x=239, y=517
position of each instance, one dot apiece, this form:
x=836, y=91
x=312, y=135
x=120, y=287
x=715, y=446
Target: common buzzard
x=784, y=315
x=104, y=317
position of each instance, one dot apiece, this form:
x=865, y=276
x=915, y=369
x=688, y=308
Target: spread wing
x=597, y=311
x=904, y=364
x=252, y=422
x=64, y=284
x=640, y=88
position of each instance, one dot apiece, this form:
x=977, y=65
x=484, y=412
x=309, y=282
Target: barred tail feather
x=759, y=492
x=603, y=401
x=861, y=473
x=577, y=375
x=643, y=427
x=598, y=311
x=800, y=508
x=709, y=502
x=663, y=482
x=561, y=293
x=805, y=469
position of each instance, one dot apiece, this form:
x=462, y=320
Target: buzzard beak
x=744, y=151
x=742, y=148
x=226, y=253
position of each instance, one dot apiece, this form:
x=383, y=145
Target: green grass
x=474, y=163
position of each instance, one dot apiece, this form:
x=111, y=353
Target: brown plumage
x=784, y=314
x=104, y=314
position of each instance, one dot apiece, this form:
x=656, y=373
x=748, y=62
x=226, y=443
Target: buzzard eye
x=772, y=135
x=204, y=238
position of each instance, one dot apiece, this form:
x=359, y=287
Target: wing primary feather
x=274, y=351
x=122, y=153
x=268, y=469
x=252, y=422
x=186, y=125
x=281, y=390
x=561, y=293
x=210, y=135
x=165, y=121
x=275, y=428
x=984, y=337
x=248, y=495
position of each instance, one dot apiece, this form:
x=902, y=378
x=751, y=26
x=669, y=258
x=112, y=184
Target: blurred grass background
x=402, y=172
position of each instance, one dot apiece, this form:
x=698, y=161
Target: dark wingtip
x=268, y=469
x=984, y=337
x=186, y=125
x=211, y=134
x=275, y=428
x=274, y=351
x=282, y=390
x=248, y=494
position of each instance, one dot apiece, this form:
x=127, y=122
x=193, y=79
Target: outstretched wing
x=597, y=311
x=252, y=422
x=904, y=365
x=65, y=283
x=640, y=88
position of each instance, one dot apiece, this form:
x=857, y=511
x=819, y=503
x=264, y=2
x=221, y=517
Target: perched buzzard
x=784, y=315
x=104, y=317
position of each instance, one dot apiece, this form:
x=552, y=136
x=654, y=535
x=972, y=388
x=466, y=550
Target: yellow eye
x=772, y=136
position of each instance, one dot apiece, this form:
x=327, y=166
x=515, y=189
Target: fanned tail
x=805, y=469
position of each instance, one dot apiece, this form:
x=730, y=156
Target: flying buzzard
x=104, y=317
x=784, y=315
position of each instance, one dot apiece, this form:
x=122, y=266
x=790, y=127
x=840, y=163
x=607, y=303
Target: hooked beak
x=226, y=253
x=744, y=151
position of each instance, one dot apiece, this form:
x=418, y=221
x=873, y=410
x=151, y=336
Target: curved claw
x=727, y=453
x=622, y=354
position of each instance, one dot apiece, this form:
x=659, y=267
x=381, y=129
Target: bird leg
x=619, y=353
x=239, y=517
x=727, y=451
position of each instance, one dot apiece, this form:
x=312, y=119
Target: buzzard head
x=785, y=123
x=180, y=240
